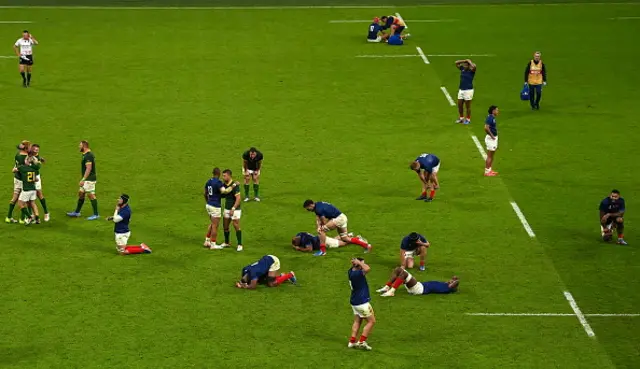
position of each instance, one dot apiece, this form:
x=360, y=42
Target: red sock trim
x=363, y=338
x=389, y=284
x=422, y=263
x=283, y=278
x=352, y=339
x=424, y=193
x=432, y=194
x=323, y=248
x=358, y=242
x=134, y=249
x=397, y=283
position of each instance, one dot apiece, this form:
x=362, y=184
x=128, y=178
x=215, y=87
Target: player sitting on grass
x=328, y=217
x=264, y=271
x=306, y=242
x=612, y=210
x=427, y=166
x=400, y=276
x=411, y=245
x=375, y=32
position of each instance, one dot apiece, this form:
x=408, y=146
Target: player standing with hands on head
x=360, y=298
x=121, y=217
x=24, y=50
x=491, y=140
x=612, y=210
x=535, y=76
x=88, y=182
x=465, y=92
x=251, y=165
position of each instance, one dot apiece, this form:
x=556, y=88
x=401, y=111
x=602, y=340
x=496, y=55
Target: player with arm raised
x=411, y=245
x=35, y=152
x=360, y=305
x=23, y=48
x=612, y=210
x=121, y=218
x=400, y=276
x=427, y=166
x=328, y=217
x=465, y=92
x=306, y=242
x=88, y=182
x=23, y=152
x=264, y=271
x=251, y=166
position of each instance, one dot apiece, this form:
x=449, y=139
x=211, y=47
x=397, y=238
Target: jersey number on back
x=30, y=176
x=210, y=190
x=372, y=28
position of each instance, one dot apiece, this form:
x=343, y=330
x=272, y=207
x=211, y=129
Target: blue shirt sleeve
x=422, y=239
x=603, y=205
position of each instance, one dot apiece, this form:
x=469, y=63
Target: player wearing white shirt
x=24, y=50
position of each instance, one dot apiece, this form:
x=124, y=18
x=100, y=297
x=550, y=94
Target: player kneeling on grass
x=612, y=210
x=306, y=242
x=121, y=217
x=264, y=271
x=360, y=305
x=400, y=276
x=411, y=245
x=375, y=32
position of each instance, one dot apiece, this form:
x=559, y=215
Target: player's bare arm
x=87, y=172
x=488, y=131
x=226, y=190
x=16, y=50
x=237, y=203
x=33, y=39
x=365, y=268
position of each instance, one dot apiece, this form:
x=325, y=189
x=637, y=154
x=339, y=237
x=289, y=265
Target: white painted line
x=523, y=220
x=421, y=53
x=479, y=146
x=463, y=55
x=446, y=94
x=413, y=20
x=14, y=22
x=406, y=26
x=612, y=315
x=624, y=18
x=581, y=318
x=389, y=56
x=518, y=314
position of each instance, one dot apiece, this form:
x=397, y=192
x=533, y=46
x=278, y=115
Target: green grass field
x=164, y=95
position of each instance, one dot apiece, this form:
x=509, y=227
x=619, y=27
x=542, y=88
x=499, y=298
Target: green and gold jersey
x=18, y=161
x=28, y=175
x=88, y=157
x=230, y=198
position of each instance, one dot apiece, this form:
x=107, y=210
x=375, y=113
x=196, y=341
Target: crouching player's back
x=264, y=271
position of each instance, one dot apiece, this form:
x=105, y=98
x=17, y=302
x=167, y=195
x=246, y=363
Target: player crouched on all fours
x=306, y=242
x=400, y=276
x=121, y=217
x=264, y=271
x=612, y=210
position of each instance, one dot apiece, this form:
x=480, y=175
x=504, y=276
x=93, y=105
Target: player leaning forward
x=87, y=183
x=24, y=50
x=328, y=218
x=121, y=217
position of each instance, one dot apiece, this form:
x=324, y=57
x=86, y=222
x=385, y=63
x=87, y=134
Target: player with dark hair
x=88, y=182
x=328, y=218
x=535, y=76
x=23, y=152
x=612, y=210
x=491, y=140
x=465, y=92
x=306, y=242
x=23, y=48
x=35, y=152
x=427, y=166
x=411, y=245
x=232, y=211
x=264, y=271
x=121, y=218
x=360, y=305
x=251, y=166
x=214, y=189
x=400, y=276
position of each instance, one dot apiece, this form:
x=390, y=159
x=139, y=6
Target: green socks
x=43, y=202
x=11, y=207
x=94, y=205
x=239, y=237
x=79, y=207
x=226, y=237
x=256, y=189
x=246, y=190
x=25, y=213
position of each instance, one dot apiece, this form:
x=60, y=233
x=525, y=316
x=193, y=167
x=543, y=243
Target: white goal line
x=411, y=20
x=552, y=314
